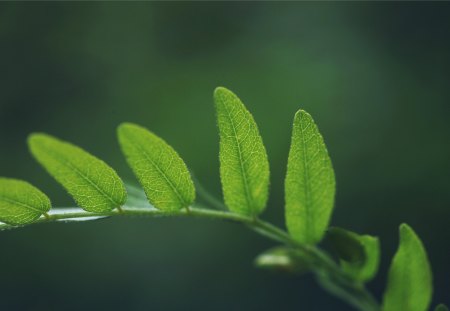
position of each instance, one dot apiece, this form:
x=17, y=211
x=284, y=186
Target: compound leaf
x=310, y=184
x=158, y=167
x=359, y=254
x=91, y=182
x=409, y=286
x=244, y=167
x=20, y=202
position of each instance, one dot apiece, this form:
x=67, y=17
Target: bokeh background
x=375, y=76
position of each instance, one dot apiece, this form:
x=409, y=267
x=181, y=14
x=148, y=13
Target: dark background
x=375, y=76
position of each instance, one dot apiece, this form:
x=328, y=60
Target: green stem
x=329, y=274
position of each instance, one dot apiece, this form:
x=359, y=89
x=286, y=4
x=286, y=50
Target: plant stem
x=330, y=276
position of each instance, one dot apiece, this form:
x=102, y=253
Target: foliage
x=91, y=182
x=160, y=170
x=409, y=284
x=20, y=202
x=359, y=254
x=244, y=171
x=244, y=168
x=310, y=184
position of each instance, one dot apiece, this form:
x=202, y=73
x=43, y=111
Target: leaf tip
x=301, y=114
x=35, y=137
x=224, y=97
x=124, y=126
x=221, y=90
x=405, y=229
x=404, y=226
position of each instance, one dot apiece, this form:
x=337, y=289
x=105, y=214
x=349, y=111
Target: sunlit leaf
x=310, y=183
x=158, y=167
x=409, y=286
x=20, y=202
x=244, y=168
x=91, y=182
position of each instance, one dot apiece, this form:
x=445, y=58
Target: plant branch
x=330, y=276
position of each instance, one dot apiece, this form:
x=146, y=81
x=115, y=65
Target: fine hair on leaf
x=158, y=167
x=93, y=184
x=310, y=184
x=244, y=167
x=20, y=202
x=409, y=286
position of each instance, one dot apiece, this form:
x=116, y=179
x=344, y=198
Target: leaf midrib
x=147, y=157
x=13, y=201
x=61, y=160
x=406, y=288
x=241, y=164
x=306, y=191
x=405, y=269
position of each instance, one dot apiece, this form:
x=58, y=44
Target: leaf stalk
x=329, y=275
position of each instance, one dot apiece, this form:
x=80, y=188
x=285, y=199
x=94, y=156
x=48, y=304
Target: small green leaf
x=359, y=254
x=20, y=202
x=409, y=286
x=310, y=184
x=244, y=168
x=346, y=244
x=158, y=167
x=91, y=182
x=441, y=307
x=283, y=259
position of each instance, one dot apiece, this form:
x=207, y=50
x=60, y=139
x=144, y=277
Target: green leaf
x=409, y=286
x=158, y=167
x=244, y=168
x=283, y=259
x=91, y=182
x=359, y=254
x=441, y=307
x=20, y=202
x=310, y=184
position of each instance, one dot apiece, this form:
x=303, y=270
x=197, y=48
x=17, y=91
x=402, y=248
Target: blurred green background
x=375, y=76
